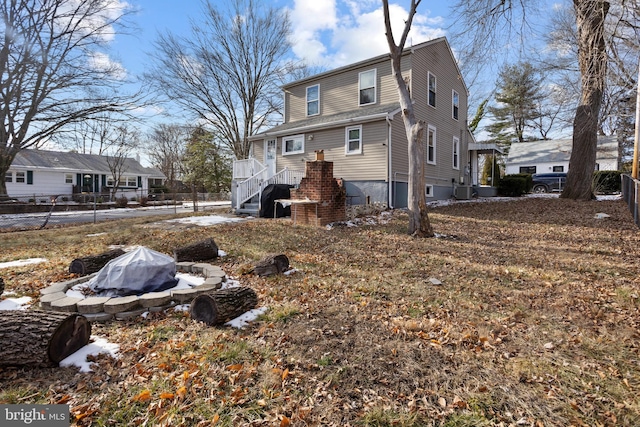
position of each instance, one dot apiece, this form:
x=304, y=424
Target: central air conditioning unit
x=462, y=192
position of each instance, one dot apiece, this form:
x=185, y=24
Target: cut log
x=1, y=286
x=271, y=264
x=40, y=338
x=223, y=305
x=93, y=263
x=199, y=251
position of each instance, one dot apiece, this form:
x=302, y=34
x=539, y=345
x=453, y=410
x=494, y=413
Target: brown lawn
x=535, y=323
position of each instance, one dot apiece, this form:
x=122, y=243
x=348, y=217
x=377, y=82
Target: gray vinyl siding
x=339, y=92
x=371, y=164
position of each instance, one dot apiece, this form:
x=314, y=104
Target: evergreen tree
x=207, y=164
x=518, y=94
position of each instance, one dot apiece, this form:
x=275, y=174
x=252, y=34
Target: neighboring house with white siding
x=352, y=113
x=553, y=156
x=46, y=173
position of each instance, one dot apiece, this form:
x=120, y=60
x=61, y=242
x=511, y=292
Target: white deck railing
x=253, y=186
x=247, y=168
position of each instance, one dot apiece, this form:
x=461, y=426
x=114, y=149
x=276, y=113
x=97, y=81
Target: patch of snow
x=21, y=303
x=98, y=346
x=205, y=220
x=96, y=234
x=21, y=262
x=221, y=253
x=290, y=272
x=246, y=318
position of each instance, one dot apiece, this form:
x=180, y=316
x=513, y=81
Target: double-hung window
x=313, y=100
x=367, y=87
x=432, y=90
x=131, y=181
x=456, y=152
x=20, y=177
x=431, y=145
x=8, y=177
x=455, y=100
x=353, y=143
x=68, y=178
x=293, y=145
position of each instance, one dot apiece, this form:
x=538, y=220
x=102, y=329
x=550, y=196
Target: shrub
x=513, y=185
x=144, y=201
x=606, y=182
x=122, y=202
x=528, y=180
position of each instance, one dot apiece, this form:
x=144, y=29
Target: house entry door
x=270, y=156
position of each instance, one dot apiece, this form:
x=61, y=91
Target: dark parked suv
x=548, y=182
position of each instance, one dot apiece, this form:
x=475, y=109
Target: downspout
x=390, y=193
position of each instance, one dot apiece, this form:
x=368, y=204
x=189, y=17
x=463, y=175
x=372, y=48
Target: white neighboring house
x=46, y=173
x=553, y=156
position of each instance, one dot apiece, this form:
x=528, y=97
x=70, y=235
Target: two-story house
x=352, y=113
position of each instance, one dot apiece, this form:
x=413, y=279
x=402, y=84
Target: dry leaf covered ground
x=535, y=323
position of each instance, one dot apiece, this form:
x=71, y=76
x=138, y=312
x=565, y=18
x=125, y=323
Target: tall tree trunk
x=419, y=224
x=592, y=58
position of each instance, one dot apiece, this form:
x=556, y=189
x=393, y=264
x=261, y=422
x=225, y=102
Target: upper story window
x=313, y=100
x=367, y=87
x=8, y=177
x=20, y=177
x=68, y=178
x=293, y=145
x=353, y=143
x=432, y=89
x=431, y=145
x=456, y=152
x=455, y=100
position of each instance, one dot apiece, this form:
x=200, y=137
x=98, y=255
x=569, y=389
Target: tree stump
x=93, y=263
x=40, y=338
x=199, y=251
x=271, y=264
x=223, y=305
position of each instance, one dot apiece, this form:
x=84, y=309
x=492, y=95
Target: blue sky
x=328, y=33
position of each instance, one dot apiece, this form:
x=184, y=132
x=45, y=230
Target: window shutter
x=30, y=177
x=139, y=182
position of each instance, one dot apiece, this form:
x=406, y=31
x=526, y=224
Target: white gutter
x=302, y=129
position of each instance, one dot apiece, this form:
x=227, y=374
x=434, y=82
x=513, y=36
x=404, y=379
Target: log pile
x=93, y=263
x=40, y=338
x=200, y=251
x=223, y=305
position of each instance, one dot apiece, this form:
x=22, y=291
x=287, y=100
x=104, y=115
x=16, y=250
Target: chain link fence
x=38, y=211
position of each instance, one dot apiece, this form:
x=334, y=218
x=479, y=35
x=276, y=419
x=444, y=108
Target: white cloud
x=102, y=62
x=332, y=36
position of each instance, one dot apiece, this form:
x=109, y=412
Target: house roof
x=557, y=151
x=77, y=162
x=360, y=115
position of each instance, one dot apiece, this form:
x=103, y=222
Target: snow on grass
x=205, y=220
x=22, y=262
x=96, y=346
x=21, y=303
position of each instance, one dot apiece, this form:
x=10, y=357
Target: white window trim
x=284, y=145
x=8, y=174
x=435, y=144
x=317, y=100
x=428, y=190
x=375, y=86
x=435, y=89
x=68, y=175
x=346, y=140
x=453, y=105
x=456, y=149
x=22, y=176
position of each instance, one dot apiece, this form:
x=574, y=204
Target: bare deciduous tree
x=419, y=224
x=126, y=140
x=166, y=148
x=227, y=72
x=54, y=71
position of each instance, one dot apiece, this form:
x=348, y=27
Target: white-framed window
x=456, y=152
x=455, y=101
x=68, y=178
x=313, y=100
x=367, y=87
x=132, y=181
x=20, y=177
x=8, y=177
x=428, y=190
x=431, y=145
x=125, y=181
x=353, y=140
x=432, y=89
x=293, y=145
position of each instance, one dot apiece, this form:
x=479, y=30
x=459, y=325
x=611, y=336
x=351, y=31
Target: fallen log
x=1, y=286
x=40, y=338
x=223, y=305
x=93, y=263
x=199, y=251
x=271, y=264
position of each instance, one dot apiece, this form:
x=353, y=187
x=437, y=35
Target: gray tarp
x=137, y=272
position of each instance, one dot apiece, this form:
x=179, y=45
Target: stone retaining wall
x=100, y=309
